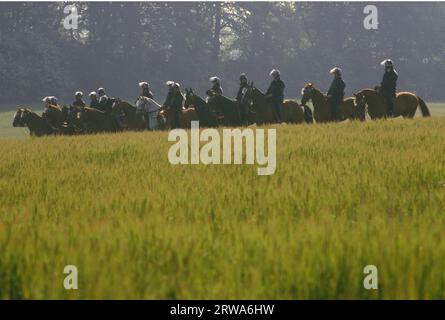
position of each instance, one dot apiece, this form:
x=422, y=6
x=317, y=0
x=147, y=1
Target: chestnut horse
x=166, y=118
x=405, y=105
x=323, y=108
x=261, y=107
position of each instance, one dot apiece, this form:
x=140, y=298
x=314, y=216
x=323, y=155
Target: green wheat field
x=343, y=196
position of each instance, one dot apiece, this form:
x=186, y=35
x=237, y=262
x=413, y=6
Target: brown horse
x=261, y=107
x=166, y=118
x=323, y=107
x=207, y=117
x=36, y=124
x=133, y=120
x=405, y=105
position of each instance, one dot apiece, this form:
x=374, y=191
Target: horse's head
x=17, y=121
x=26, y=116
x=248, y=93
x=189, y=98
x=307, y=93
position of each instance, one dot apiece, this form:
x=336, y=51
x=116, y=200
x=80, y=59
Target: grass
x=344, y=196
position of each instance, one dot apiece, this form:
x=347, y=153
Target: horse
x=93, y=120
x=262, y=110
x=405, y=104
x=70, y=120
x=131, y=119
x=54, y=116
x=207, y=118
x=36, y=124
x=166, y=118
x=148, y=109
x=17, y=120
x=323, y=107
x=229, y=110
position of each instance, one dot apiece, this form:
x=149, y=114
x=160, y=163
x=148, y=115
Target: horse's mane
x=368, y=90
x=227, y=99
x=199, y=97
x=89, y=109
x=258, y=90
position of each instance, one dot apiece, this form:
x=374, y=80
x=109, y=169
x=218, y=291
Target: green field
x=344, y=196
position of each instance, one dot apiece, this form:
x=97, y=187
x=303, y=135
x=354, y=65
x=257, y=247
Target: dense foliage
x=119, y=44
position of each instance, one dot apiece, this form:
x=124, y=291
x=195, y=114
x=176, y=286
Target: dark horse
x=207, y=117
x=36, y=124
x=228, y=111
x=94, y=121
x=130, y=118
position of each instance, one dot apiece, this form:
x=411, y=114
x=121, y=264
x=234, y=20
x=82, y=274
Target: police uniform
x=389, y=87
x=337, y=93
x=276, y=91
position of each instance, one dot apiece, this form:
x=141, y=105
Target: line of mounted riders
x=251, y=106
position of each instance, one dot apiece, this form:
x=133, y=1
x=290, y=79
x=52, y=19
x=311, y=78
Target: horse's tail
x=423, y=107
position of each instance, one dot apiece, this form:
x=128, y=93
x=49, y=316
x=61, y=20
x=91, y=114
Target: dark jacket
x=147, y=93
x=239, y=95
x=389, y=82
x=216, y=88
x=105, y=103
x=174, y=100
x=79, y=103
x=337, y=90
x=276, y=89
x=94, y=104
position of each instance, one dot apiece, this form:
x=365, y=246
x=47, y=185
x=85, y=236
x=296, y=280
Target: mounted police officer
x=94, y=102
x=276, y=93
x=104, y=101
x=216, y=88
x=174, y=101
x=389, y=85
x=53, y=101
x=47, y=102
x=78, y=100
x=243, y=109
x=48, y=113
x=146, y=92
x=336, y=92
x=243, y=85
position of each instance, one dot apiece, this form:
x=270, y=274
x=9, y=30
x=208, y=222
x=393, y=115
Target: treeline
x=119, y=44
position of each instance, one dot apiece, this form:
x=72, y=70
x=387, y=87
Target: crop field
x=343, y=196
